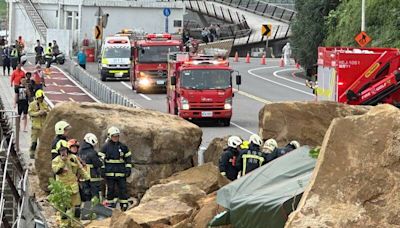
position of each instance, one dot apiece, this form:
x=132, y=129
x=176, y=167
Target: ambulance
x=116, y=58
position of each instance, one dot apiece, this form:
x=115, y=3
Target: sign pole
x=166, y=24
x=362, y=15
x=266, y=47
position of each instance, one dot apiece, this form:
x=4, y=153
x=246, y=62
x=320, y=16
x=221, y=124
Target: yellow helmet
x=62, y=144
x=39, y=93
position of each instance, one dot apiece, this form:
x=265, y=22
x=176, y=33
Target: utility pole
x=363, y=15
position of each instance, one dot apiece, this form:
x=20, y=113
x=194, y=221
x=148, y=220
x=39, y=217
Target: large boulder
x=215, y=149
x=206, y=177
x=356, y=182
x=161, y=143
x=305, y=122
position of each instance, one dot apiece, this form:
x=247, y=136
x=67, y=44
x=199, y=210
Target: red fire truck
x=359, y=76
x=200, y=87
x=150, y=61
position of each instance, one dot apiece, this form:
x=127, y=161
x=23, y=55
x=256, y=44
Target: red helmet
x=73, y=142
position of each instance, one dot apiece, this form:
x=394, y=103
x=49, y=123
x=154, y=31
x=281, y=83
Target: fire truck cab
x=359, y=76
x=150, y=61
x=200, y=87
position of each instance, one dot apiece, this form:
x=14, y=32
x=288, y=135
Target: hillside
x=382, y=23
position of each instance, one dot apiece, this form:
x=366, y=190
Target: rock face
x=356, y=180
x=306, y=122
x=214, y=150
x=161, y=144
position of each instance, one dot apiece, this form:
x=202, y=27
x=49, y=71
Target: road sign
x=167, y=12
x=98, y=32
x=266, y=30
x=362, y=39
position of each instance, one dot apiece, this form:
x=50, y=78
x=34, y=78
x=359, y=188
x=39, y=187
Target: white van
x=116, y=58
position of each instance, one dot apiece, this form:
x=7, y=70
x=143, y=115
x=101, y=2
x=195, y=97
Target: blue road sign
x=167, y=12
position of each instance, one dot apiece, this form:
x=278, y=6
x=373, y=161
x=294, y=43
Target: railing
x=99, y=89
x=26, y=3
x=278, y=32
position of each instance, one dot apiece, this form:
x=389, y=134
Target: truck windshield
x=206, y=79
x=155, y=54
x=114, y=52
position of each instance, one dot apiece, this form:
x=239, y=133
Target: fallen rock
x=356, y=179
x=206, y=177
x=160, y=212
x=214, y=150
x=121, y=220
x=306, y=122
x=161, y=143
x=99, y=223
x=183, y=192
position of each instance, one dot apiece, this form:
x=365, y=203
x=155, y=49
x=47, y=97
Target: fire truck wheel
x=226, y=122
x=103, y=78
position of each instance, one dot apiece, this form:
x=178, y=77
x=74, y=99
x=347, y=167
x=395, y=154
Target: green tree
x=382, y=23
x=308, y=31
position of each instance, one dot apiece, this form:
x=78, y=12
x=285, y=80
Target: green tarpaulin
x=265, y=197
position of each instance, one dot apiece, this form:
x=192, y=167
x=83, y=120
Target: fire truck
x=200, y=87
x=150, y=61
x=359, y=76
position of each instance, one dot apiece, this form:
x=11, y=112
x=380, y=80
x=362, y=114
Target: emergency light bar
x=158, y=36
x=117, y=41
x=207, y=62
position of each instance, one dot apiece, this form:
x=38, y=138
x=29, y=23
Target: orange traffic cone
x=282, y=63
x=47, y=71
x=248, y=58
x=263, y=60
x=236, y=57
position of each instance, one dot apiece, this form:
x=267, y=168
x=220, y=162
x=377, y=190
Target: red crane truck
x=359, y=76
x=150, y=61
x=200, y=87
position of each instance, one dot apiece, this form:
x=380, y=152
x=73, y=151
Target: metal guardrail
x=278, y=32
x=99, y=89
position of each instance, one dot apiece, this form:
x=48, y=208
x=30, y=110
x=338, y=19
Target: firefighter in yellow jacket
x=38, y=111
x=68, y=169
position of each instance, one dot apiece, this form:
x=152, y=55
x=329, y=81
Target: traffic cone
x=248, y=58
x=282, y=63
x=236, y=57
x=263, y=60
x=47, y=71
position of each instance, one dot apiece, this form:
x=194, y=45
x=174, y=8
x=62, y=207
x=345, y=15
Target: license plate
x=206, y=114
x=118, y=74
x=160, y=82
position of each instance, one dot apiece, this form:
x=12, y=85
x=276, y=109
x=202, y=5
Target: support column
x=11, y=31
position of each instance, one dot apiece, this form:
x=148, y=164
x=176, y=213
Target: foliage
x=60, y=195
x=308, y=31
x=3, y=9
x=382, y=23
x=314, y=153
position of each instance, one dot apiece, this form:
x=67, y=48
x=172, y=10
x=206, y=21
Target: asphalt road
x=260, y=84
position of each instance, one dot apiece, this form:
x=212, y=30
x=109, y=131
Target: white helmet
x=295, y=144
x=61, y=126
x=113, y=131
x=270, y=144
x=234, y=141
x=91, y=139
x=255, y=139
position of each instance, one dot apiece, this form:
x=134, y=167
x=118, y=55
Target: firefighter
x=118, y=166
x=38, y=111
x=227, y=162
x=92, y=187
x=48, y=53
x=67, y=168
x=61, y=129
x=251, y=158
x=269, y=146
x=289, y=147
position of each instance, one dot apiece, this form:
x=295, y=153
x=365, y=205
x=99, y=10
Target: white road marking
x=140, y=94
x=277, y=83
x=242, y=128
x=289, y=80
x=80, y=87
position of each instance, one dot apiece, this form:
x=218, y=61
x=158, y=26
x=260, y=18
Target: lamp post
x=363, y=15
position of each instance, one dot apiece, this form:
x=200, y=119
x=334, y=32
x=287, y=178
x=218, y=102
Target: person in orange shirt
x=17, y=75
